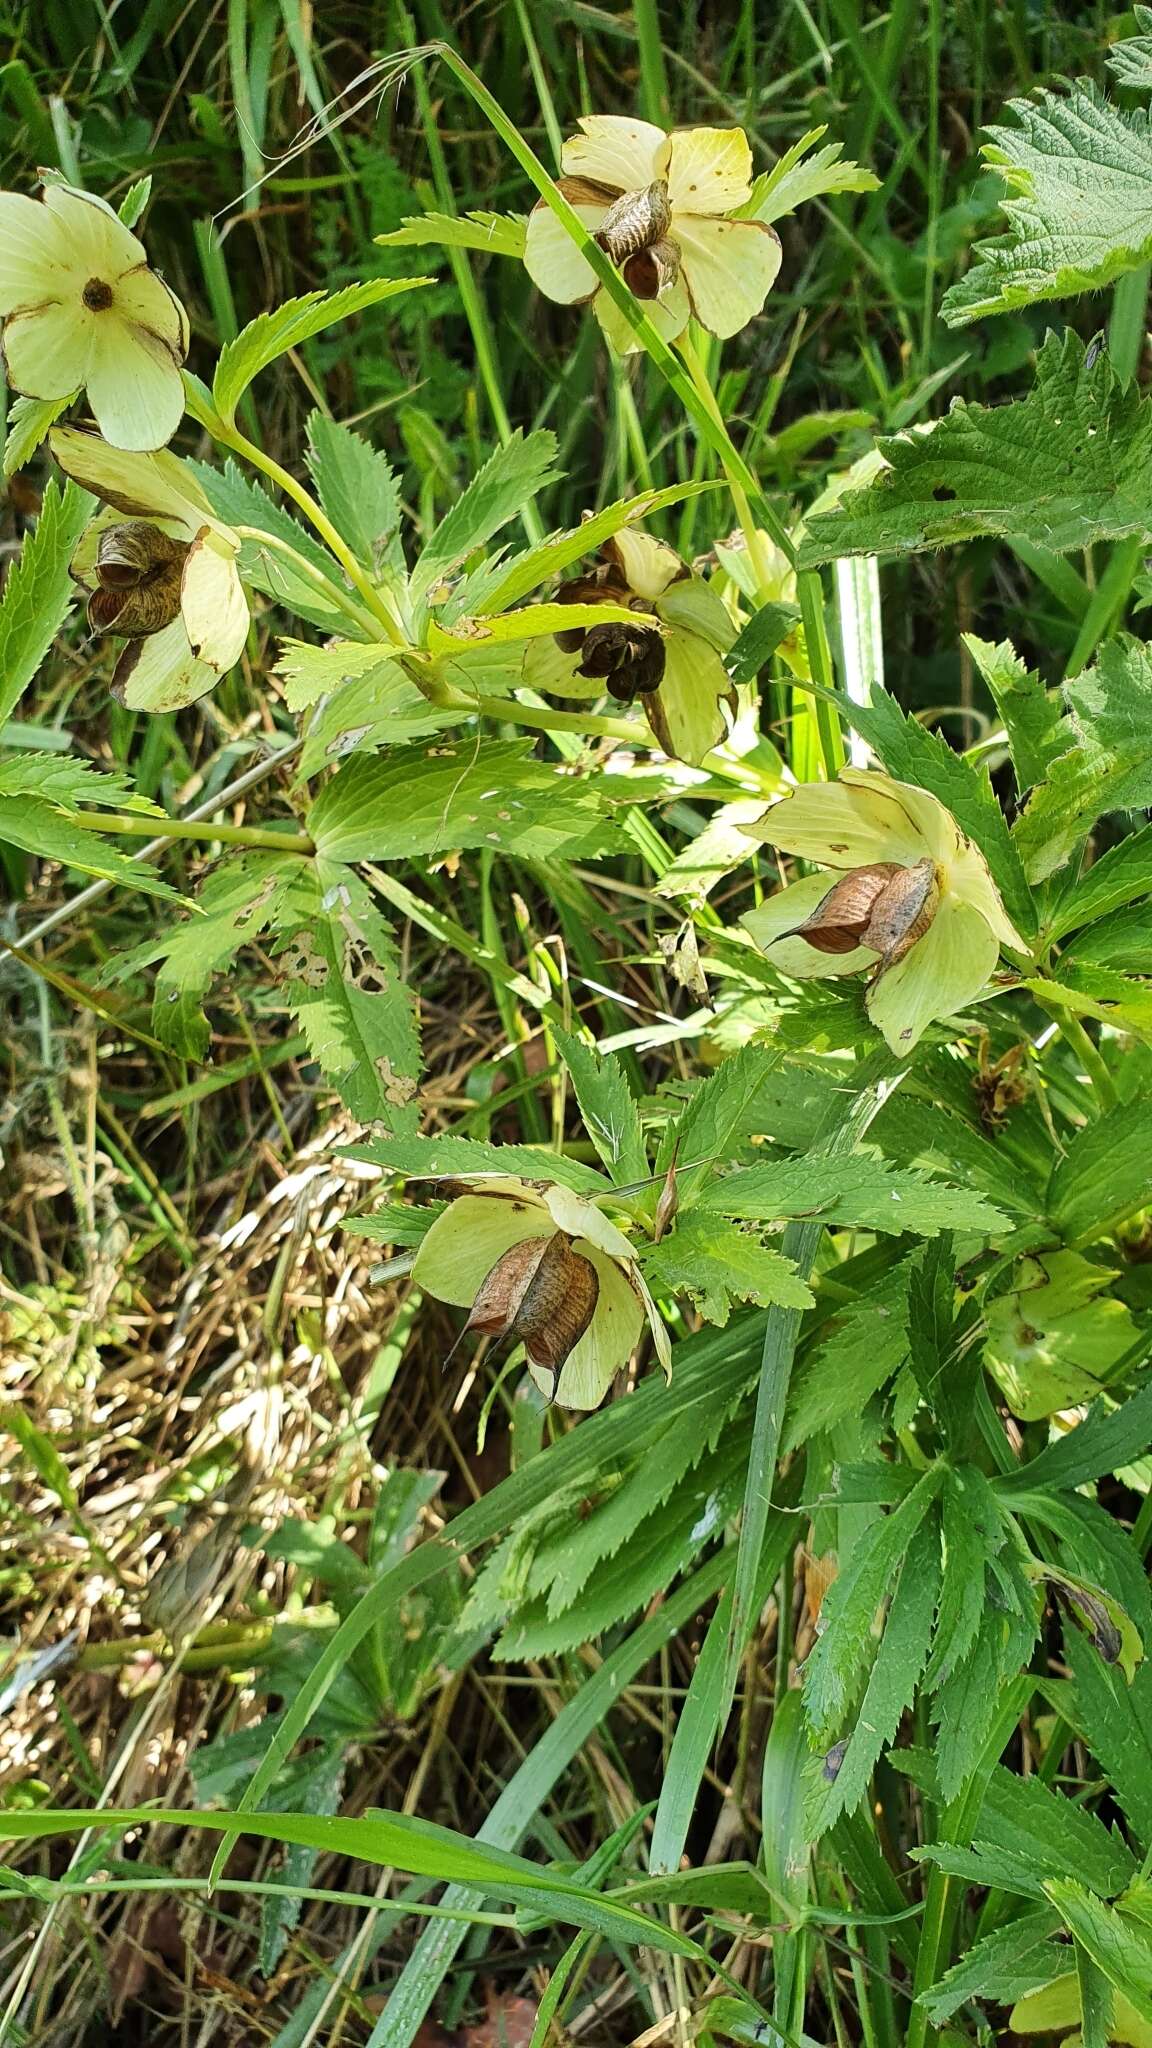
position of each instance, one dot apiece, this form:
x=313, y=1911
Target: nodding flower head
x=915, y=903
x=161, y=569
x=663, y=209
x=536, y=1263
x=675, y=667
x=82, y=311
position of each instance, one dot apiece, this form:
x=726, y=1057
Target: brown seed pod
x=543, y=1293
x=138, y=570
x=882, y=906
x=638, y=220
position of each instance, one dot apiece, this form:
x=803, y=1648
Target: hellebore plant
x=663, y=209
x=916, y=904
x=83, y=312
x=536, y=1262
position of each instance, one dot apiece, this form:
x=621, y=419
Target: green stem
x=1073, y=1033
x=152, y=827
x=334, y=541
x=547, y=720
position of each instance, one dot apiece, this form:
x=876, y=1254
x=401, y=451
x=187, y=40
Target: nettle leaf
x=610, y=1115
x=433, y=800
x=1068, y=464
x=837, y=1783
x=854, y=1191
x=1031, y=713
x=1130, y=61
x=441, y=1158
x=803, y=173
x=344, y=984
x=358, y=489
x=718, y=1264
x=1079, y=172
x=1106, y=764
x=239, y=900
x=509, y=479
x=239, y=501
x=492, y=234
x=297, y=320
x=38, y=827
x=1003, y=1966
x=39, y=591
x=1105, y=1173
x=856, y=1354
x=913, y=754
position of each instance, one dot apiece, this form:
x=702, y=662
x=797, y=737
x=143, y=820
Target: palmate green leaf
x=802, y=173
x=837, y=1783
x=508, y=481
x=718, y=1264
x=442, y=1157
x=1121, y=874
x=1119, y=1946
x=1069, y=464
x=866, y=1342
x=1113, y=1715
x=389, y=1839
x=1031, y=713
x=1027, y=1819
x=27, y=426
x=297, y=320
x=1001, y=1967
x=1130, y=61
x=608, y=1108
x=238, y=901
x=652, y=1558
x=491, y=234
x=39, y=591
x=1105, y=1173
x=358, y=490
x=1079, y=175
x=913, y=754
x=68, y=782
x=558, y=551
x=347, y=992
x=38, y=827
x=850, y=1191
x=490, y=793
x=832, y=1672
x=1106, y=764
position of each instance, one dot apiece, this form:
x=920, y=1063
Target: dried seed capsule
x=638, y=220
x=542, y=1292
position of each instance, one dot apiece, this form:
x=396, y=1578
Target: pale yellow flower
x=82, y=311
x=162, y=569
x=661, y=207
x=916, y=902
x=675, y=669
x=576, y=1336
